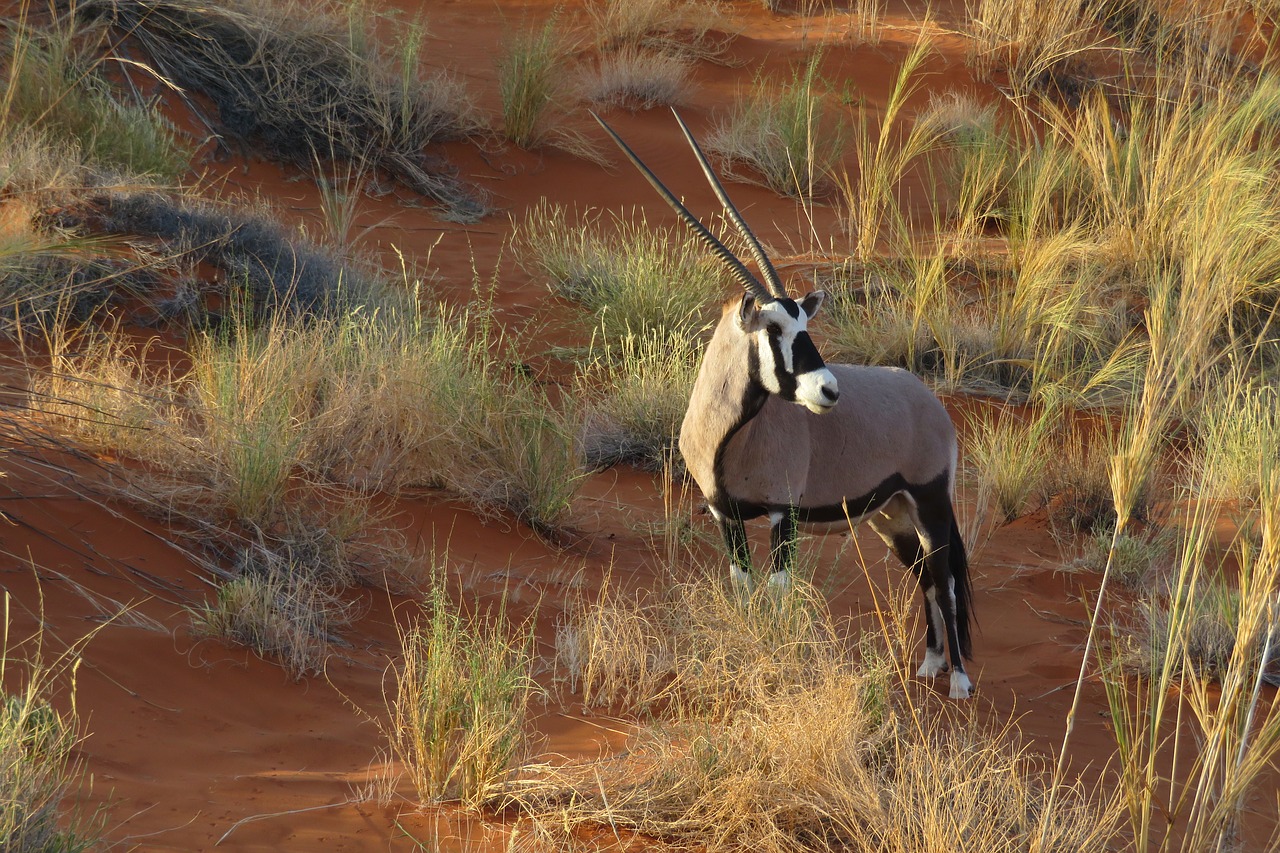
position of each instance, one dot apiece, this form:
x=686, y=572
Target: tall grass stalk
x=530, y=82
x=883, y=160
x=1201, y=788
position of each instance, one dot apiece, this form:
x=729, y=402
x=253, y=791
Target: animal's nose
x=830, y=393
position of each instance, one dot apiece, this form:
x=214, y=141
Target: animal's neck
x=726, y=396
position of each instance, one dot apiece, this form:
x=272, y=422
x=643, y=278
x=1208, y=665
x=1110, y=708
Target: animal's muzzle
x=817, y=391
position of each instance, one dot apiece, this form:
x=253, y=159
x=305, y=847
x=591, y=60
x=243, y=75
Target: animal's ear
x=748, y=313
x=813, y=302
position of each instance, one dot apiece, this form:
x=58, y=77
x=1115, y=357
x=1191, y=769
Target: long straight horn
x=757, y=251
x=739, y=269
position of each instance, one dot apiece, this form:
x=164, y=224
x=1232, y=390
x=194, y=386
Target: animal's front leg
x=782, y=547
x=735, y=540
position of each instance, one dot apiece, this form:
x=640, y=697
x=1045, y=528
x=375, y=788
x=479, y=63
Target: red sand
x=193, y=741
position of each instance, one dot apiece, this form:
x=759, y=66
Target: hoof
x=961, y=686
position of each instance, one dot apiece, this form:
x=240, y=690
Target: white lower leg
x=780, y=581
x=740, y=579
x=935, y=663
x=961, y=686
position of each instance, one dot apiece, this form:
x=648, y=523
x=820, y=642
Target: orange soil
x=190, y=741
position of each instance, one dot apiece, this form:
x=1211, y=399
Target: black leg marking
x=782, y=541
x=909, y=550
x=938, y=522
x=735, y=539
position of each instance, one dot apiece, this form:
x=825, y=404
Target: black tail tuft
x=959, y=564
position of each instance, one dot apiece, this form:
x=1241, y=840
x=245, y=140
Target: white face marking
x=815, y=389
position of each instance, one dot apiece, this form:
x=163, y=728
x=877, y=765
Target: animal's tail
x=959, y=561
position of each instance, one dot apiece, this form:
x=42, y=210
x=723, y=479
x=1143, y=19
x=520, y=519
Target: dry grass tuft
x=769, y=734
x=461, y=702
x=635, y=394
x=621, y=270
x=686, y=28
x=785, y=132
x=40, y=766
x=285, y=606
x=297, y=83
x=638, y=79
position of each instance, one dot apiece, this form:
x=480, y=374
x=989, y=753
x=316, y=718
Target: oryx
x=763, y=435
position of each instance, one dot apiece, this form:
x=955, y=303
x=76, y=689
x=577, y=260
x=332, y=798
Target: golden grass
x=764, y=727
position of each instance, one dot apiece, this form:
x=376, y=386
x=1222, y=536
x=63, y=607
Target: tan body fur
x=787, y=455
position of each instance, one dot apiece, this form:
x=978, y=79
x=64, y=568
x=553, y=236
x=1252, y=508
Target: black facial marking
x=791, y=307
x=805, y=355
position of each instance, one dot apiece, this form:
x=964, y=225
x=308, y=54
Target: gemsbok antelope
x=885, y=455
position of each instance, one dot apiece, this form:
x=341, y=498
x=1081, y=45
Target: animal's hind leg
x=895, y=524
x=935, y=539
x=735, y=540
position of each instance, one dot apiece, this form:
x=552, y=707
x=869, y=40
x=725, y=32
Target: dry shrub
x=297, y=82
x=638, y=79
x=685, y=28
